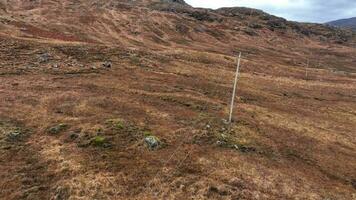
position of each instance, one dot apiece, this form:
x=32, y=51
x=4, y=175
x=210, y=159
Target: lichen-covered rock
x=152, y=142
x=43, y=58
x=14, y=135
x=107, y=64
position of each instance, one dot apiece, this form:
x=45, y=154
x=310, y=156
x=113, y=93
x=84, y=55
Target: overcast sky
x=296, y=10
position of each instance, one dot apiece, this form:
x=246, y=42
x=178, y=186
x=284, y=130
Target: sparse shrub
x=98, y=140
x=265, y=17
x=135, y=60
x=227, y=58
x=116, y=123
x=57, y=129
x=277, y=24
x=255, y=26
x=250, y=32
x=182, y=29
x=147, y=133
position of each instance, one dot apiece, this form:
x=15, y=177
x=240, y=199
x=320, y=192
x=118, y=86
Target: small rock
x=353, y=183
x=208, y=126
x=152, y=142
x=220, y=143
x=14, y=135
x=107, y=64
x=225, y=121
x=107, y=145
x=223, y=136
x=43, y=58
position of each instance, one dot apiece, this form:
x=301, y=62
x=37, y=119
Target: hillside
x=344, y=23
x=129, y=99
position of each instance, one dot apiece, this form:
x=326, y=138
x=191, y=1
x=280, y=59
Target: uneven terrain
x=83, y=83
x=345, y=23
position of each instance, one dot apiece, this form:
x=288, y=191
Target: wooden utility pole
x=306, y=69
x=235, y=86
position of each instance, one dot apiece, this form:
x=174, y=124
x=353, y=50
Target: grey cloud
x=317, y=11
x=310, y=10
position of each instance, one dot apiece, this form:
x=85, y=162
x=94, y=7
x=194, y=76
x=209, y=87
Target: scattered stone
x=225, y=121
x=220, y=143
x=223, y=136
x=57, y=129
x=152, y=142
x=353, y=183
x=107, y=64
x=43, y=58
x=14, y=135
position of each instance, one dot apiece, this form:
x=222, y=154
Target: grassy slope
x=295, y=133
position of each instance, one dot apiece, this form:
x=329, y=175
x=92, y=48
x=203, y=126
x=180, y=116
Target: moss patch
x=98, y=141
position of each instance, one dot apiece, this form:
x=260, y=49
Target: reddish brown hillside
x=87, y=85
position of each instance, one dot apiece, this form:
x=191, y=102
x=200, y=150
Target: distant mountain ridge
x=344, y=23
x=159, y=22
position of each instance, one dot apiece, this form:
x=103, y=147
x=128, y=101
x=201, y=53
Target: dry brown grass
x=295, y=135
